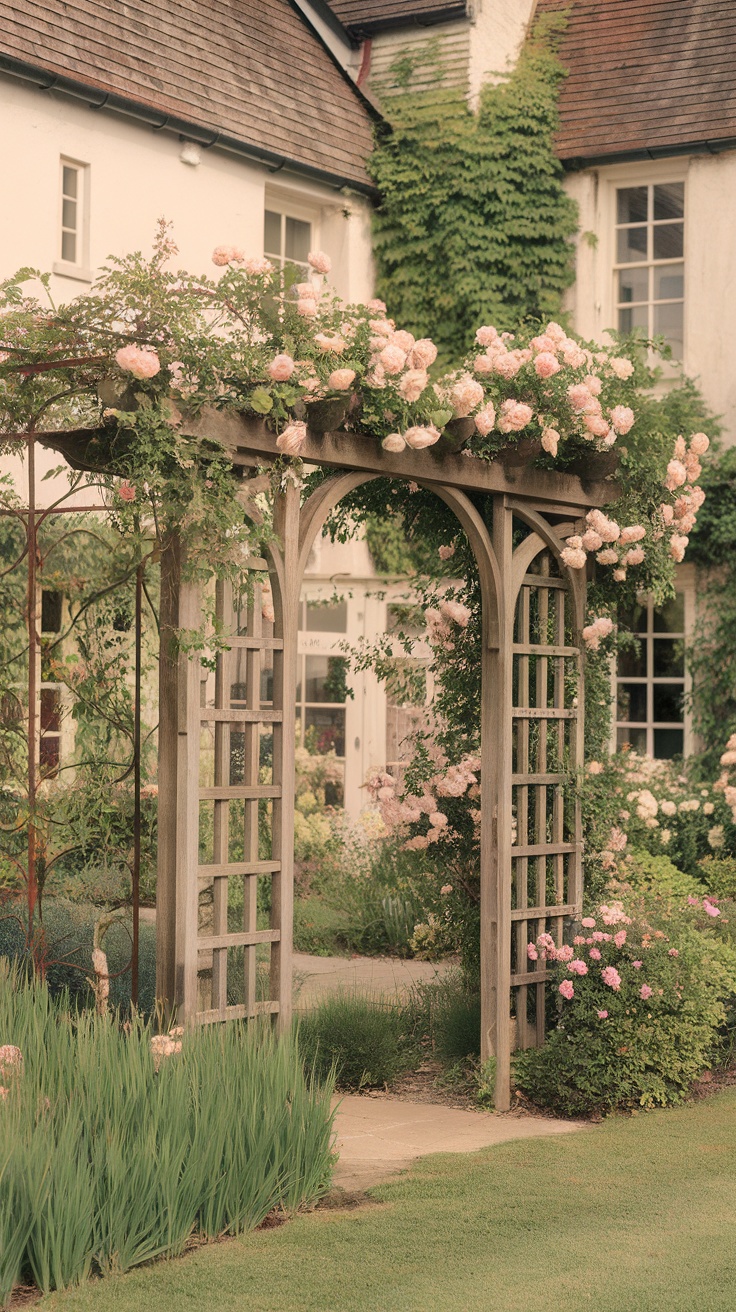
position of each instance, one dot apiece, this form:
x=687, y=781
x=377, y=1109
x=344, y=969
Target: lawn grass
x=634, y=1215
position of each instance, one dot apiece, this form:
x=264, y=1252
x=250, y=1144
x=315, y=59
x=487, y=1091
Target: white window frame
x=685, y=585
x=611, y=178
x=289, y=207
x=78, y=268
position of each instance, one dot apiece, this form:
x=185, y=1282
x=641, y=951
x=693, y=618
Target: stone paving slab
x=378, y=1137
x=315, y=977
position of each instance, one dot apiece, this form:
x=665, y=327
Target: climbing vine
x=474, y=225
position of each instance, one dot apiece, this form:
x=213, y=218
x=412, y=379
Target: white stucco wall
x=710, y=264
x=497, y=31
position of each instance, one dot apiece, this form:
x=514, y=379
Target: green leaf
x=261, y=401
x=440, y=417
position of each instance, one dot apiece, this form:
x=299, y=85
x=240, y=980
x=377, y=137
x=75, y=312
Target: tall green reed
x=107, y=1161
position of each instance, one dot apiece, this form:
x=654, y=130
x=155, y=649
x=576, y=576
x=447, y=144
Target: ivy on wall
x=474, y=225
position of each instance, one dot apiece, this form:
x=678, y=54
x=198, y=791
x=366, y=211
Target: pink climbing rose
x=567, y=989
x=611, y=977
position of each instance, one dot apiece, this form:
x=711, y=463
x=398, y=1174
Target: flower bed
x=117, y=1146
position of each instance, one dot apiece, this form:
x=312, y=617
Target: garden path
x=314, y=977
x=380, y=1136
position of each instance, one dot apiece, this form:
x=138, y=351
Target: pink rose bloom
x=514, y=416
x=676, y=475
x=602, y=1015
x=578, y=967
x=485, y=419
x=546, y=365
x=546, y=344
x=622, y=418
x=330, y=342
x=595, y=954
x=293, y=438
x=565, y=953
x=678, y=546
x=611, y=977
x=222, y=255
x=620, y=938
x=422, y=354
x=465, y=395
x=392, y=358
x=507, y=364
x=635, y=556
x=413, y=384
x=421, y=436
x=257, y=266
x=305, y=290
x=573, y=355
x=596, y=425
x=375, y=306
x=699, y=444
x=550, y=440
x=607, y=556
x=126, y=491
x=306, y=307
x=597, y=936
x=566, y=989
x=402, y=339
x=637, y=965
x=588, y=922
x=320, y=262
x=486, y=335
x=591, y=540
x=394, y=443
x=10, y=1056
x=709, y=909
x=138, y=361
x=578, y=940
x=622, y=367
x=340, y=379
x=531, y=952
x=673, y=952
x=633, y=533
x=455, y=611
x=446, y=553
x=281, y=368
x=579, y=396
x=573, y=557
x=619, y=575
x=484, y=364
x=645, y=992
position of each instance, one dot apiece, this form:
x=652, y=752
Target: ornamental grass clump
x=118, y=1146
x=642, y=1004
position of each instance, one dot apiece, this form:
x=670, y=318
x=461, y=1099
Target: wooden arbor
x=220, y=791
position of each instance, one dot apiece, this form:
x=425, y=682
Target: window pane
x=298, y=238
x=668, y=702
x=634, y=619
x=325, y=679
x=669, y=200
x=632, y=702
x=638, y=317
x=50, y=611
x=327, y=618
x=49, y=756
x=668, y=658
x=668, y=743
x=272, y=233
x=668, y=241
x=635, y=738
x=669, y=283
x=668, y=322
x=325, y=730
x=633, y=285
x=633, y=663
x=69, y=181
x=631, y=245
x=631, y=205
x=69, y=247
x=670, y=618
x=69, y=214
x=50, y=710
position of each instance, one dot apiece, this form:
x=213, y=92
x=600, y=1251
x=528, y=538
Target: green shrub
x=447, y=1013
x=642, y=1005
x=68, y=935
x=320, y=928
x=112, y=1154
x=719, y=875
x=658, y=874
x=363, y=1039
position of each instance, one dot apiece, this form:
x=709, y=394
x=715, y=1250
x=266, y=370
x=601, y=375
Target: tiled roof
x=361, y=17
x=645, y=76
x=251, y=69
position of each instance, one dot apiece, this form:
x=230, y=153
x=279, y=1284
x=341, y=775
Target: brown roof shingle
x=645, y=76
x=251, y=69
x=361, y=17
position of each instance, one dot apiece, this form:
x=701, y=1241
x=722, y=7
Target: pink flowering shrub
x=642, y=1008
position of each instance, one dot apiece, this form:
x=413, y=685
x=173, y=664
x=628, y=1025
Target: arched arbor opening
x=531, y=716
